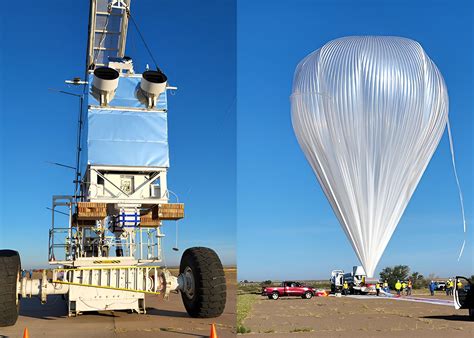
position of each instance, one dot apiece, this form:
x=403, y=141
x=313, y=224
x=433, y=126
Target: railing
x=67, y=244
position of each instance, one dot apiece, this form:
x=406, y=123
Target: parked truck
x=357, y=281
x=289, y=289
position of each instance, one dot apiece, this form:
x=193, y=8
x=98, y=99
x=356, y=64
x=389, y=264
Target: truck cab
x=337, y=280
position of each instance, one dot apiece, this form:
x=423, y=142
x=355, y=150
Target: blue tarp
x=127, y=138
x=123, y=137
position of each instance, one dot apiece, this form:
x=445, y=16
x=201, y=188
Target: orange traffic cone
x=213, y=331
x=26, y=334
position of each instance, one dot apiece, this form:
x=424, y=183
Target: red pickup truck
x=289, y=289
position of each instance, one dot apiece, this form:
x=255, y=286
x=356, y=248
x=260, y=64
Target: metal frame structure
x=113, y=251
x=108, y=246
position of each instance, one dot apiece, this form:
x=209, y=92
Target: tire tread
x=210, y=297
x=9, y=267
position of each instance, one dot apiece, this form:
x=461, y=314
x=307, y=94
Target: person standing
x=404, y=286
x=345, y=288
x=377, y=288
x=448, y=286
x=458, y=285
x=409, y=287
x=385, y=286
x=398, y=287
x=432, y=287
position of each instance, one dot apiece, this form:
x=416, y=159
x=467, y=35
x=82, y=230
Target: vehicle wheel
x=308, y=295
x=275, y=295
x=204, y=293
x=10, y=267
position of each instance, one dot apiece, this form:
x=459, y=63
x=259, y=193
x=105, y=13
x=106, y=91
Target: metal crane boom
x=108, y=24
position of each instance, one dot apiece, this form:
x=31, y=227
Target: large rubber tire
x=209, y=295
x=10, y=267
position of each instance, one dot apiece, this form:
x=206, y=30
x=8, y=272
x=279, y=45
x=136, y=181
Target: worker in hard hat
x=432, y=287
x=459, y=284
x=448, y=287
x=385, y=286
x=345, y=288
x=398, y=287
x=377, y=288
x=404, y=286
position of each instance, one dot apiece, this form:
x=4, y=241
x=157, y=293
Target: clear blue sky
x=44, y=43
x=286, y=227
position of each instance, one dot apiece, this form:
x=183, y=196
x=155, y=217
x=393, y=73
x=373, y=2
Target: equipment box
x=91, y=211
x=146, y=220
x=169, y=211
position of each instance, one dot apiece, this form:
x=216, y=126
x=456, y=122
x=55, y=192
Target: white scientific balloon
x=369, y=112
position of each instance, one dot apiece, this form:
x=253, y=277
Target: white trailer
x=106, y=239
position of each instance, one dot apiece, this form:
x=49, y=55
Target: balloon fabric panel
x=368, y=113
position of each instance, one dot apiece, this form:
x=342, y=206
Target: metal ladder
x=107, y=31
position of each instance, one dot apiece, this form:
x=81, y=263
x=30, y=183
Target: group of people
x=25, y=272
x=381, y=286
x=449, y=287
x=406, y=287
x=403, y=286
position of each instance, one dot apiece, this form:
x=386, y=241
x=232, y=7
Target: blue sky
x=44, y=43
x=286, y=227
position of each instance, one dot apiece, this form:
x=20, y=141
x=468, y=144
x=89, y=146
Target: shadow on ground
x=166, y=313
x=56, y=308
x=457, y=318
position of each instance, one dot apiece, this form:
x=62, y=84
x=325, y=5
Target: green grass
x=249, y=288
x=244, y=306
x=243, y=329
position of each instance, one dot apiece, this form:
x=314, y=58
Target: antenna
x=61, y=165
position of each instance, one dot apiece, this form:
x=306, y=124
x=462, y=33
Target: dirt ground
x=163, y=319
x=355, y=317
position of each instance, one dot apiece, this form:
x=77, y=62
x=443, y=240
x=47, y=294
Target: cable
x=453, y=160
x=144, y=42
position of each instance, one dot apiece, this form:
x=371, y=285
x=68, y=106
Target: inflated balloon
x=369, y=112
